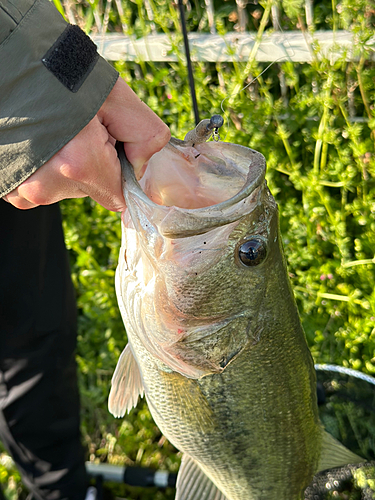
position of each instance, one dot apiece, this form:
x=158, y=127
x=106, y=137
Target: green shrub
x=321, y=169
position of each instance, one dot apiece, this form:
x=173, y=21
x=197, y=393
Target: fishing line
x=279, y=28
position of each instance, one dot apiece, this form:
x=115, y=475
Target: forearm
x=46, y=96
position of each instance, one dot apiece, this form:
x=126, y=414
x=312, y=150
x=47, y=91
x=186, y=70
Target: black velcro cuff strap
x=71, y=58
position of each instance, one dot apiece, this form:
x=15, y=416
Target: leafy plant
x=318, y=141
x=314, y=123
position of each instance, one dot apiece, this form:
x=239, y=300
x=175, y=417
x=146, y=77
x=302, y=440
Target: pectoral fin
x=334, y=454
x=126, y=385
x=192, y=483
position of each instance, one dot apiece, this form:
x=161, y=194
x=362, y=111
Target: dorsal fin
x=192, y=483
x=126, y=385
x=334, y=454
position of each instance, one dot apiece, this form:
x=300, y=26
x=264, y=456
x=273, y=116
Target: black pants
x=39, y=401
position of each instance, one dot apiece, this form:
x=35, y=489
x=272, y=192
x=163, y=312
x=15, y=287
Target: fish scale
x=244, y=427
x=215, y=340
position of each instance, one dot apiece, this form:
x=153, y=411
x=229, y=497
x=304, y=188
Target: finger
x=111, y=140
x=87, y=166
x=105, y=187
x=95, y=170
x=48, y=186
x=131, y=121
x=17, y=201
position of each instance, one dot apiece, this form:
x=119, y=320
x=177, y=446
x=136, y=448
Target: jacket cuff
x=53, y=85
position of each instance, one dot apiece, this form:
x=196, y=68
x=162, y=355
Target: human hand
x=88, y=164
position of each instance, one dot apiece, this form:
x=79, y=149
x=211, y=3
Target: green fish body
x=215, y=340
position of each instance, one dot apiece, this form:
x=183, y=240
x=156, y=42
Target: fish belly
x=253, y=429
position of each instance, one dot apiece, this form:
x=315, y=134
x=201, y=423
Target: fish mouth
x=188, y=190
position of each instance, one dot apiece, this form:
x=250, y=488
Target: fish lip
x=211, y=216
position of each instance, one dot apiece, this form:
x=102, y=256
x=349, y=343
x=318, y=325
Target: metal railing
x=279, y=46
x=238, y=45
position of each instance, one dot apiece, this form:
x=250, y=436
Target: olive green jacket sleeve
x=48, y=92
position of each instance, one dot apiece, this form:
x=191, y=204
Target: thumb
x=132, y=122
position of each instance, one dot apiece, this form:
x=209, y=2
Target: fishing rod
x=188, y=59
x=133, y=476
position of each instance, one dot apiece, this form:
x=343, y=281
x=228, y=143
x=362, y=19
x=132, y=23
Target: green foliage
x=9, y=477
x=321, y=170
x=364, y=478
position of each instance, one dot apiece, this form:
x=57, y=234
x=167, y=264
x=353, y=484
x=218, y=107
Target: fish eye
x=252, y=252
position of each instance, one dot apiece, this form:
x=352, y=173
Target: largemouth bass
x=215, y=340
